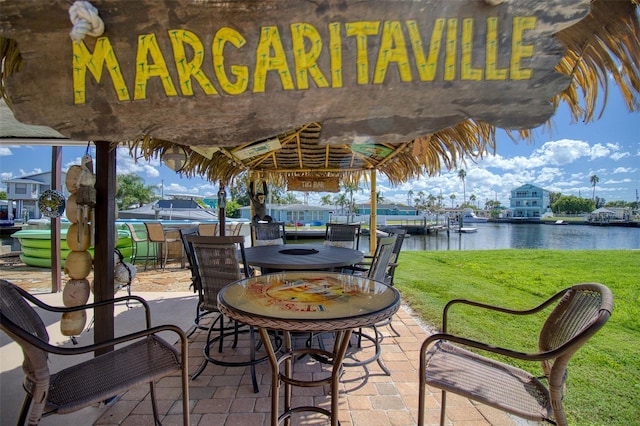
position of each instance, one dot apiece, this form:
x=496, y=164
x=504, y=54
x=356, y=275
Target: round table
x=301, y=257
x=307, y=302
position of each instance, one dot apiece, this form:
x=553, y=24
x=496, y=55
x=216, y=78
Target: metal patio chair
x=447, y=363
x=145, y=358
x=343, y=235
x=157, y=235
x=271, y=233
x=220, y=261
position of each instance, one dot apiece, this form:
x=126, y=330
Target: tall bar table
x=307, y=302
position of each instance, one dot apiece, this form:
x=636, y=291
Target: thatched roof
x=605, y=44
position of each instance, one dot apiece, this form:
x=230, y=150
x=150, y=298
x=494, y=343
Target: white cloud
x=4, y=151
x=624, y=170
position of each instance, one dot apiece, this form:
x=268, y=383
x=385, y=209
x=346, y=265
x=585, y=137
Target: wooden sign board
x=313, y=184
x=223, y=73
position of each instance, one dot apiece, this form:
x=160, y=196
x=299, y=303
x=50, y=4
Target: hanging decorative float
x=80, y=184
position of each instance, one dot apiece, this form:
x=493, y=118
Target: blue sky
x=560, y=161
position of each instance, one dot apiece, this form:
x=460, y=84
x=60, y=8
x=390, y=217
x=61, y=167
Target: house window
x=21, y=188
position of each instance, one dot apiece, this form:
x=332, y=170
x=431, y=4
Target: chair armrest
x=63, y=309
x=536, y=356
x=47, y=347
x=533, y=310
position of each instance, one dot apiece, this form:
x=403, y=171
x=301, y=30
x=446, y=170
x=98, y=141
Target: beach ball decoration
x=80, y=182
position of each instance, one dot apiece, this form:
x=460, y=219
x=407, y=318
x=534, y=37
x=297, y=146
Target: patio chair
x=220, y=261
x=208, y=229
x=270, y=233
x=157, y=235
x=145, y=358
x=136, y=240
x=378, y=272
x=195, y=279
x=342, y=235
x=447, y=363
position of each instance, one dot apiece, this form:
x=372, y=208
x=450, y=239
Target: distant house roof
x=603, y=210
x=292, y=207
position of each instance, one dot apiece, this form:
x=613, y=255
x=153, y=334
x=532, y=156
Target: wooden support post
x=105, y=229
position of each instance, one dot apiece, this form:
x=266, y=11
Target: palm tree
x=453, y=197
x=594, y=179
x=409, y=195
x=462, y=174
x=341, y=200
x=325, y=200
x=379, y=197
x=472, y=198
x=132, y=190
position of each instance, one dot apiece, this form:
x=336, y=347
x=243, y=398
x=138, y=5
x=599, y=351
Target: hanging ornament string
x=85, y=20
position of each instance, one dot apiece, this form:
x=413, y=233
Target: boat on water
x=560, y=222
x=468, y=216
x=466, y=229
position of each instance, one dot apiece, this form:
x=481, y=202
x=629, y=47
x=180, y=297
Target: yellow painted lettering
x=148, y=48
x=519, y=50
x=241, y=73
x=361, y=30
x=491, y=61
x=451, y=50
x=467, y=71
x=426, y=67
x=335, y=53
x=266, y=61
x=305, y=60
x=188, y=69
x=393, y=48
x=103, y=55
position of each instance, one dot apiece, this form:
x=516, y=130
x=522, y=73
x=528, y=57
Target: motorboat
x=468, y=216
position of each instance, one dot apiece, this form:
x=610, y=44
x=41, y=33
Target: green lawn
x=604, y=376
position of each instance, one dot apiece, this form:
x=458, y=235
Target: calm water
x=491, y=236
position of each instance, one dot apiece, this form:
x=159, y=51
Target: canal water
x=493, y=236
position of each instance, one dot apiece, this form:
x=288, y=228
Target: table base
x=286, y=380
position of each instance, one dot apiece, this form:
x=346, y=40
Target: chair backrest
x=155, y=231
x=232, y=229
x=208, y=229
x=19, y=320
x=400, y=234
x=382, y=258
x=194, y=230
x=343, y=235
x=581, y=311
x=135, y=236
x=271, y=233
x=219, y=261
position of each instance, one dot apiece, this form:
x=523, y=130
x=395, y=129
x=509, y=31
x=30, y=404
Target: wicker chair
x=580, y=311
x=271, y=233
x=342, y=235
x=220, y=261
x=144, y=359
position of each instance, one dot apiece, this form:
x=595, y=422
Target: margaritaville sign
x=224, y=73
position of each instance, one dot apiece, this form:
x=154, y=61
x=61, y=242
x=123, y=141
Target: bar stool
x=156, y=235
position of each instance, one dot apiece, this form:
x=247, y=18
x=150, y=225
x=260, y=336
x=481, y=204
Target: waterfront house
x=25, y=190
x=529, y=202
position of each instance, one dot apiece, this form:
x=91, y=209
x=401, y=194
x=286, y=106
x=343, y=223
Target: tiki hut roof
x=603, y=46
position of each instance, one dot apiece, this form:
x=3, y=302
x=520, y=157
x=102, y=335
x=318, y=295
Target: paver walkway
x=224, y=395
